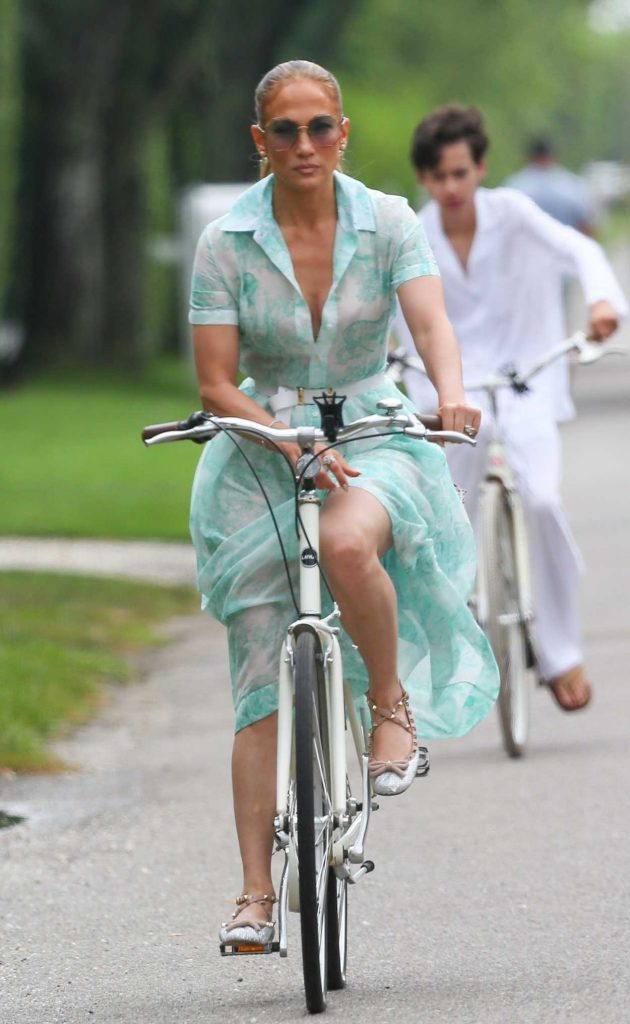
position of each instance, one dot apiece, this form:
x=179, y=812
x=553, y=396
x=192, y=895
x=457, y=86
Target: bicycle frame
x=498, y=469
x=350, y=822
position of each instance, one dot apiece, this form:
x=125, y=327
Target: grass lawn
x=63, y=638
x=73, y=463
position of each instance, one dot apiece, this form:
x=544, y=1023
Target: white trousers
x=532, y=444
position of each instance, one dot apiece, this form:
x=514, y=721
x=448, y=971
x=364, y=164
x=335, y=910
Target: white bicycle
x=503, y=600
x=319, y=825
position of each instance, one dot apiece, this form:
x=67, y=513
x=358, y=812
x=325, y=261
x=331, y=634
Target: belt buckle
x=300, y=395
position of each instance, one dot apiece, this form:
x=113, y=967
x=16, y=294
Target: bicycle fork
x=350, y=817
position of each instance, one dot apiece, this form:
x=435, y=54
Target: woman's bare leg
x=355, y=531
x=254, y=788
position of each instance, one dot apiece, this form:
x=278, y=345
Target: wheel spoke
x=321, y=878
x=319, y=755
x=322, y=829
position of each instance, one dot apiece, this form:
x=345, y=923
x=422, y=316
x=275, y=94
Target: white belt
x=282, y=399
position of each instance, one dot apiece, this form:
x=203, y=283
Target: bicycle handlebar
x=589, y=352
x=161, y=428
x=427, y=428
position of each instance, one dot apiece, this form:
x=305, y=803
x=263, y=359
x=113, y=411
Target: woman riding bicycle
x=296, y=286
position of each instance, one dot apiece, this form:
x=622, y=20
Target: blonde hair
x=289, y=71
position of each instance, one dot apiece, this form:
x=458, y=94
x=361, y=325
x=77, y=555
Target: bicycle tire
x=337, y=930
x=506, y=633
x=314, y=817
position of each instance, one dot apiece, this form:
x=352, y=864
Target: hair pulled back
x=289, y=71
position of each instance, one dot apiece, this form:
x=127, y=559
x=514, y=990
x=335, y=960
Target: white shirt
x=507, y=305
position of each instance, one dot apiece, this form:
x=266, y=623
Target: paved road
x=500, y=892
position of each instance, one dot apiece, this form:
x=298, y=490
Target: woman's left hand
x=459, y=416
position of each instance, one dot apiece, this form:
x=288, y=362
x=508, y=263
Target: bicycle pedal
x=423, y=764
x=247, y=949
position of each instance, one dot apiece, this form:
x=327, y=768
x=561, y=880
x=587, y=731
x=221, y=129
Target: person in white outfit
x=503, y=262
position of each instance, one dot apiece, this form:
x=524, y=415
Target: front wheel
x=505, y=629
x=337, y=930
x=314, y=826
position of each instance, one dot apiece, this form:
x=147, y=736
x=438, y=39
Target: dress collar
x=254, y=210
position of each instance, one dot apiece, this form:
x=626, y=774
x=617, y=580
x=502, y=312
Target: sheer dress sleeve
x=213, y=295
x=414, y=256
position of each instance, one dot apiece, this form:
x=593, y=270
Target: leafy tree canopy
x=530, y=66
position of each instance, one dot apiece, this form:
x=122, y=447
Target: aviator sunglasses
x=323, y=131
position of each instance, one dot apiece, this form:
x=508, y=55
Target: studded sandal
x=246, y=930
x=389, y=778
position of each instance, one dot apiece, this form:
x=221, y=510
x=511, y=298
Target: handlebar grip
x=162, y=428
x=431, y=421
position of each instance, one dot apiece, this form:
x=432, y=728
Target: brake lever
x=440, y=435
x=593, y=351
x=450, y=435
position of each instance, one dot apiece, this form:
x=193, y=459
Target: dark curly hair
x=452, y=123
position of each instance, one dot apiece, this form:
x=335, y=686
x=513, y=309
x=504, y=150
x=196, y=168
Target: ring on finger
x=328, y=460
x=470, y=431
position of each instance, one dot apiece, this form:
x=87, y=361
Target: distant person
x=502, y=262
x=556, y=190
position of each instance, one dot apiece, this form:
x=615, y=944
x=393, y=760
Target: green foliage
x=76, y=465
x=63, y=638
x=531, y=67
x=162, y=96
x=9, y=133
x=602, y=105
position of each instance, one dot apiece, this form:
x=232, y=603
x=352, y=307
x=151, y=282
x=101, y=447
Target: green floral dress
x=243, y=275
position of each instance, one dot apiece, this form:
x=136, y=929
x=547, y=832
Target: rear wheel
x=506, y=632
x=314, y=824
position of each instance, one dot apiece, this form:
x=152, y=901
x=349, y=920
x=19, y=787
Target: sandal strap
x=242, y=921
x=389, y=714
x=245, y=900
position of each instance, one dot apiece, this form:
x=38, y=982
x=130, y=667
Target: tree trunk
x=67, y=273
x=98, y=76
x=10, y=102
x=123, y=338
